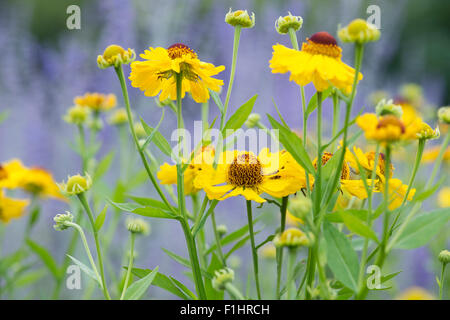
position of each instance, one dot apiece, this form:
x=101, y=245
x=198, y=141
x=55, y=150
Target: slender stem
x=82, y=147
x=237, y=36
x=440, y=157
x=217, y=238
x=254, y=251
x=441, y=286
x=87, y=208
x=290, y=281
x=336, y=118
x=279, y=251
x=233, y=291
x=130, y=265
x=318, y=181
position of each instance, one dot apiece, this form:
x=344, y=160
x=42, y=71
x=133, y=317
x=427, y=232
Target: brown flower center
x=178, y=50
x=391, y=120
x=322, y=43
x=245, y=171
x=345, y=175
x=381, y=162
x=3, y=173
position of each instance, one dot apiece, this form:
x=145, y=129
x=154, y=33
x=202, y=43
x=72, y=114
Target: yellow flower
x=244, y=173
x=11, y=208
x=97, y=101
x=167, y=173
x=367, y=162
x=318, y=62
x=119, y=117
x=359, y=31
x=415, y=293
x=292, y=238
x=444, y=197
x=432, y=153
x=77, y=115
x=10, y=174
x=157, y=73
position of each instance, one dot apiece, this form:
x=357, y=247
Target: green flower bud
x=115, y=55
x=140, y=131
x=240, y=18
x=444, y=256
x=222, y=230
x=119, y=117
x=293, y=238
x=300, y=207
x=61, y=219
x=388, y=107
x=283, y=24
x=427, y=133
x=76, y=184
x=412, y=92
x=222, y=277
x=359, y=31
x=138, y=226
x=77, y=115
x=235, y=262
x=444, y=114
x=96, y=124
x=253, y=120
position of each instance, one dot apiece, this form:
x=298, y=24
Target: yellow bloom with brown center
x=11, y=208
x=444, y=197
x=319, y=62
x=167, y=173
x=97, y=101
x=415, y=293
x=244, y=173
x=367, y=162
x=432, y=153
x=157, y=74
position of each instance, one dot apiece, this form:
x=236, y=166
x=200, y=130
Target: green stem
x=440, y=157
x=217, y=238
x=254, y=252
x=290, y=281
x=82, y=148
x=130, y=265
x=441, y=286
x=336, y=118
x=87, y=208
x=233, y=291
x=279, y=251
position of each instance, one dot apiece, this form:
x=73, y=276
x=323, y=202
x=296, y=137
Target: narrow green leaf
x=100, y=220
x=312, y=104
x=217, y=100
x=46, y=258
x=427, y=193
x=158, y=139
x=185, y=262
x=357, y=226
x=139, y=288
x=149, y=202
x=212, y=293
x=87, y=270
x=238, y=119
x=103, y=166
x=154, y=131
x=144, y=211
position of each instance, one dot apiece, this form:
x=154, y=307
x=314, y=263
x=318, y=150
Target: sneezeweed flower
x=293, y=238
x=427, y=133
x=61, y=219
x=118, y=118
x=359, y=31
x=115, y=55
x=76, y=184
x=444, y=197
x=444, y=256
x=97, y=102
x=138, y=226
x=222, y=277
x=444, y=115
x=11, y=208
x=244, y=173
x=157, y=73
x=319, y=62
x=240, y=18
x=77, y=115
x=415, y=293
x=283, y=24
x=388, y=107
x=167, y=173
x=431, y=154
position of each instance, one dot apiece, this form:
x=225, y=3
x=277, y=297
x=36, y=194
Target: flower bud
x=76, y=184
x=387, y=107
x=222, y=230
x=376, y=96
x=269, y=251
x=283, y=24
x=253, y=120
x=300, y=207
x=222, y=277
x=427, y=133
x=293, y=238
x=138, y=226
x=119, y=117
x=240, y=18
x=77, y=115
x=96, y=124
x=444, y=114
x=235, y=262
x=444, y=256
x=359, y=31
x=115, y=55
x=140, y=131
x=412, y=92
x=61, y=219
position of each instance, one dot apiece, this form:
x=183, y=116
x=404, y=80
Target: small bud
x=138, y=226
x=387, y=107
x=300, y=207
x=76, y=184
x=376, y=96
x=77, y=115
x=118, y=118
x=96, y=124
x=269, y=251
x=235, y=262
x=253, y=120
x=444, y=256
x=140, y=131
x=61, y=219
x=283, y=24
x=359, y=31
x=222, y=277
x=427, y=133
x=293, y=238
x=240, y=18
x=412, y=92
x=222, y=230
x=444, y=114
x=115, y=55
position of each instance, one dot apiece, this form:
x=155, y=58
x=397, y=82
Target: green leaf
x=389, y=276
x=279, y=114
x=87, y=270
x=427, y=193
x=293, y=145
x=336, y=215
x=212, y=293
x=150, y=137
x=239, y=244
x=217, y=100
x=238, y=119
x=162, y=281
x=100, y=220
x=185, y=262
x=312, y=104
x=357, y=226
x=138, y=288
x=103, y=166
x=158, y=139
x=341, y=257
x=422, y=228
x=149, y=202
x=151, y=212
x=46, y=258
x=29, y=278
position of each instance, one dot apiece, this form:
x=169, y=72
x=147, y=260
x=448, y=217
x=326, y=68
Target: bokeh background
x=44, y=66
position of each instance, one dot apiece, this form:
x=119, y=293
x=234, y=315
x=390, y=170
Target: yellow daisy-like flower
x=157, y=73
x=11, y=208
x=97, y=101
x=244, y=173
x=431, y=154
x=415, y=293
x=318, y=62
x=167, y=173
x=367, y=162
x=444, y=197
